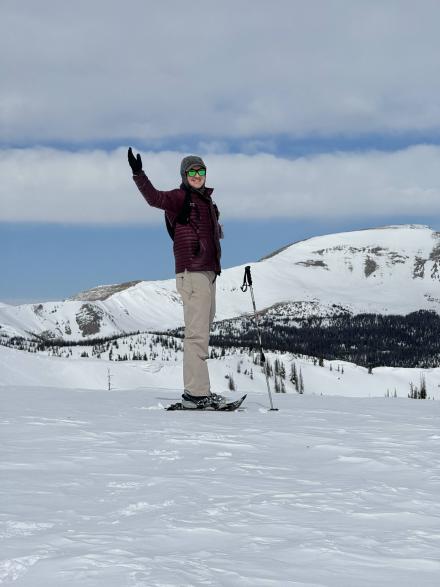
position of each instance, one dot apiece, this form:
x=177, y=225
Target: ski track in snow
x=99, y=488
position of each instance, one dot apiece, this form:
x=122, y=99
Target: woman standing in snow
x=192, y=221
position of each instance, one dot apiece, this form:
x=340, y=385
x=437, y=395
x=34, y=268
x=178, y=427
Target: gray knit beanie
x=187, y=163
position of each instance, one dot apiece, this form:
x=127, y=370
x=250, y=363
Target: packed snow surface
x=107, y=488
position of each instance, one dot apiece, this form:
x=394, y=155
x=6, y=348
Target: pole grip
x=247, y=272
x=247, y=280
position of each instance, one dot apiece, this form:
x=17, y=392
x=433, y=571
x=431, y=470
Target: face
x=197, y=181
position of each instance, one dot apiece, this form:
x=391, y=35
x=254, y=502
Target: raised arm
x=171, y=201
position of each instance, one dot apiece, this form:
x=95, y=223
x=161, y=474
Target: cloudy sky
x=312, y=118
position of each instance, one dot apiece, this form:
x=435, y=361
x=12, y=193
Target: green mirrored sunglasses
x=194, y=172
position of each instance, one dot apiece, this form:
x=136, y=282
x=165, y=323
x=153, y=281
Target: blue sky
x=312, y=119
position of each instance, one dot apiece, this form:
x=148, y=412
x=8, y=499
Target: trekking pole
x=247, y=281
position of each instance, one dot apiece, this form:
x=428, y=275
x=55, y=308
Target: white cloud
x=96, y=186
x=107, y=70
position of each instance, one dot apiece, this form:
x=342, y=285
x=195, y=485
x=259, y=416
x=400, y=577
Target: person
x=192, y=220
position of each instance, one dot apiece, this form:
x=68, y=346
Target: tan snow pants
x=197, y=290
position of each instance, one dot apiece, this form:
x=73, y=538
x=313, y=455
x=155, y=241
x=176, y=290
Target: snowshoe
x=213, y=402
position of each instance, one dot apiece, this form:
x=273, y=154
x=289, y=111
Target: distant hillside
x=386, y=270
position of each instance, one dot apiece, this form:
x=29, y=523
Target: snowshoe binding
x=212, y=402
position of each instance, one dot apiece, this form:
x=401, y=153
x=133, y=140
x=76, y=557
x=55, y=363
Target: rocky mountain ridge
x=392, y=269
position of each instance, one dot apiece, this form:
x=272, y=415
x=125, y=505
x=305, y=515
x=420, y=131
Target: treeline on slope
x=97, y=345
x=369, y=340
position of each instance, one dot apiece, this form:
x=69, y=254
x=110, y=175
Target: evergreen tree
x=423, y=387
x=293, y=373
x=301, y=383
x=282, y=370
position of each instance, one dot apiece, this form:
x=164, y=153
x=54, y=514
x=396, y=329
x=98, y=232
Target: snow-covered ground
x=104, y=488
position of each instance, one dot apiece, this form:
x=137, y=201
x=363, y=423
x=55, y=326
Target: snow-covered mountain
x=391, y=269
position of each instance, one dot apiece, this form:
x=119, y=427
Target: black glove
x=134, y=162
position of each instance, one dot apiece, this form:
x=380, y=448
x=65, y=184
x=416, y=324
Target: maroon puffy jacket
x=196, y=244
